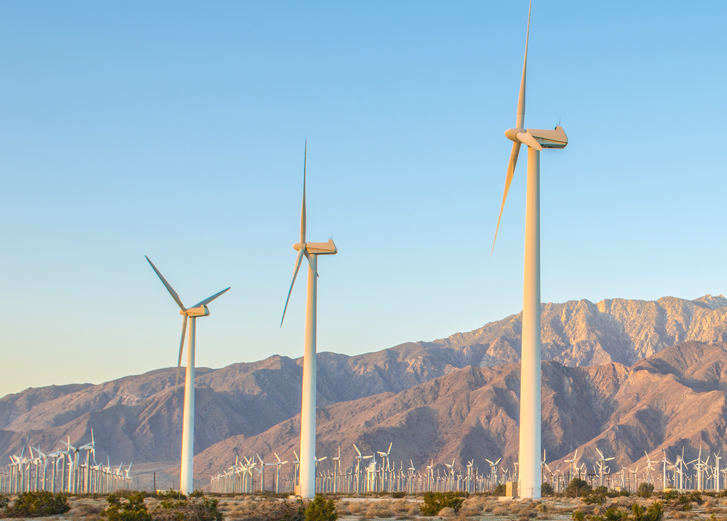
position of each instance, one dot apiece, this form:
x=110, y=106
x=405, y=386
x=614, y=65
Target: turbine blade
x=210, y=299
x=181, y=348
x=169, y=287
x=295, y=274
x=508, y=181
x=520, y=120
x=302, y=210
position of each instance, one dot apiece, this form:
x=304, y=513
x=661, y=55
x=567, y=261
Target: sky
x=176, y=130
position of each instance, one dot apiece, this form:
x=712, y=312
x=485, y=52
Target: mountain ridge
x=139, y=417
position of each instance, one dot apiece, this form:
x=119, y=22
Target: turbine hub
x=511, y=134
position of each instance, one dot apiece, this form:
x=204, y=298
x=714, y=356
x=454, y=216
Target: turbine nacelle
x=538, y=138
x=317, y=248
x=199, y=311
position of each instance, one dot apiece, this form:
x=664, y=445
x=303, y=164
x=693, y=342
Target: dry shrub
x=342, y=508
x=400, y=505
x=380, y=509
x=86, y=510
x=542, y=507
x=446, y=512
x=354, y=507
x=515, y=507
x=500, y=510
x=489, y=506
x=413, y=511
x=470, y=509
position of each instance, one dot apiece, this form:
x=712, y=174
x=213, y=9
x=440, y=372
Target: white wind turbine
x=359, y=458
x=493, y=471
x=572, y=462
x=649, y=468
x=186, y=479
x=664, y=463
x=717, y=457
x=680, y=464
x=384, y=465
x=277, y=472
x=336, y=469
x=602, y=464
x=311, y=250
x=530, y=403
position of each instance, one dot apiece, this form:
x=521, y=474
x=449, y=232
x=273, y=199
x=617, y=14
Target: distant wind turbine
x=186, y=480
x=530, y=401
x=311, y=251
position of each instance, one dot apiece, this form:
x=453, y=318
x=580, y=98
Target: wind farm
x=573, y=378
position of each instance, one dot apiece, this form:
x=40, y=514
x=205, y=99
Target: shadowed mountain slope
x=674, y=399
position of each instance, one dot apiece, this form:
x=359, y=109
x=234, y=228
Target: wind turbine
x=717, y=457
x=572, y=464
x=602, y=464
x=664, y=462
x=493, y=471
x=311, y=250
x=359, y=458
x=336, y=470
x=186, y=479
x=530, y=403
x=277, y=473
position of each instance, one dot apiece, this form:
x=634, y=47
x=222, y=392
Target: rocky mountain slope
x=673, y=400
x=139, y=417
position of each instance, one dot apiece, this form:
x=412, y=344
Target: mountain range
x=450, y=398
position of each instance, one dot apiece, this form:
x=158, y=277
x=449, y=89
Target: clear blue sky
x=176, y=130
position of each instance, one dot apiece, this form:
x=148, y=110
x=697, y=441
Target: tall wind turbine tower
x=530, y=404
x=186, y=478
x=311, y=251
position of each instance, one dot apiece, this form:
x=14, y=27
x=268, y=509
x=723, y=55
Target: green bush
x=645, y=490
x=321, y=509
x=122, y=509
x=654, y=513
x=197, y=493
x=614, y=514
x=398, y=495
x=37, y=504
x=577, y=488
x=500, y=490
x=4, y=500
x=170, y=494
x=695, y=497
x=577, y=515
x=128, y=493
x=195, y=509
x=546, y=489
x=436, y=501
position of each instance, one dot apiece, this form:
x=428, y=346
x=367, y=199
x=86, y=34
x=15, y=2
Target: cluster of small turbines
x=63, y=470
x=367, y=475
x=530, y=406
x=675, y=476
